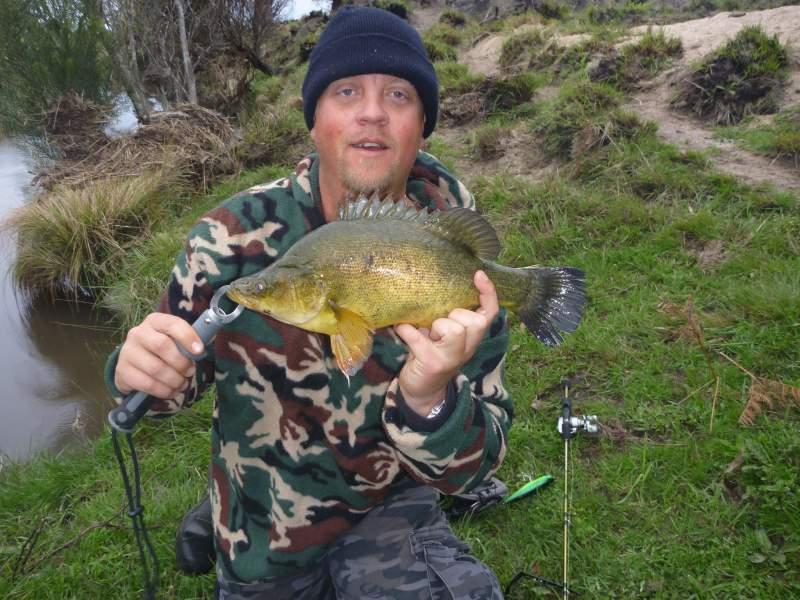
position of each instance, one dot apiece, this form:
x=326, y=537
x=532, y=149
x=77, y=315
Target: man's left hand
x=437, y=355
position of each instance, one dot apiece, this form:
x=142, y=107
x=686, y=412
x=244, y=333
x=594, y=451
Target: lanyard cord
x=136, y=513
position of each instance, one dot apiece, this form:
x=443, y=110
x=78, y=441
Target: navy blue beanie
x=362, y=40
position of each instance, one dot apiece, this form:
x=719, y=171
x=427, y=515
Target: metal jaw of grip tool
x=136, y=404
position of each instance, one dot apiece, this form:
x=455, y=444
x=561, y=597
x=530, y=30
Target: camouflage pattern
x=299, y=455
x=402, y=550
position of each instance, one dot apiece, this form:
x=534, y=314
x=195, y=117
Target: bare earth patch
x=699, y=37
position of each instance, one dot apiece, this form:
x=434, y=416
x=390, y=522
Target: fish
x=384, y=263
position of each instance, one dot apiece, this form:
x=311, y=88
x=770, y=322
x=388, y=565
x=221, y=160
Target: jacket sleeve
x=469, y=446
x=192, y=282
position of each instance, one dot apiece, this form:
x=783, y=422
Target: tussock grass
x=517, y=48
x=740, y=79
x=486, y=141
x=640, y=60
x=71, y=239
x=581, y=106
x=453, y=17
x=456, y=78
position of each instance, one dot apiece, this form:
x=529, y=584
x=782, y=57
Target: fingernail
x=197, y=347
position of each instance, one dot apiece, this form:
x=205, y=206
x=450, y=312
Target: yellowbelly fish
x=384, y=263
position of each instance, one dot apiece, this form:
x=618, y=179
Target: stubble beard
x=367, y=184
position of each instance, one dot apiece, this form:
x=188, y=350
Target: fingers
x=487, y=295
x=149, y=360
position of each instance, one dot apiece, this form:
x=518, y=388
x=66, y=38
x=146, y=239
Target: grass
x=674, y=500
x=779, y=138
x=642, y=59
x=71, y=238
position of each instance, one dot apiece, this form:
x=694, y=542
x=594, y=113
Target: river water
x=51, y=356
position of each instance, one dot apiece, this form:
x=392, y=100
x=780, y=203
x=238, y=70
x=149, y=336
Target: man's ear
x=312, y=134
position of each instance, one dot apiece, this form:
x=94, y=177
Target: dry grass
x=190, y=138
x=70, y=236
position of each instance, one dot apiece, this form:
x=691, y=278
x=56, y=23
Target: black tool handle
x=136, y=404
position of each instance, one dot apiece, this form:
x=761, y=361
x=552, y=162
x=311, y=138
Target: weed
x=740, y=79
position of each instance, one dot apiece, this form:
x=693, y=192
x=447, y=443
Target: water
x=51, y=357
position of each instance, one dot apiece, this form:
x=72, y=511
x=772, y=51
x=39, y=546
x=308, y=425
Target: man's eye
x=347, y=92
x=399, y=94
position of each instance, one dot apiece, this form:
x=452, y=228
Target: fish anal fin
x=352, y=341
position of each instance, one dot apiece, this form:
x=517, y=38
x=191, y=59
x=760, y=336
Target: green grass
x=667, y=503
x=779, y=138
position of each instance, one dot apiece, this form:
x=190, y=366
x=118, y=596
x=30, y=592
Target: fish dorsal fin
x=461, y=226
x=466, y=227
x=375, y=208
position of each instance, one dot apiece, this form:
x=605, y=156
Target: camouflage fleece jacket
x=300, y=455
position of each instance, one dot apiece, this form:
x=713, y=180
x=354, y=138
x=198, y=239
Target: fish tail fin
x=554, y=302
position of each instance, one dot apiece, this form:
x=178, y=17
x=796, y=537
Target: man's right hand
x=150, y=362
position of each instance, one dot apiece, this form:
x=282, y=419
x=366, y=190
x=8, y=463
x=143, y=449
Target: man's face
x=367, y=130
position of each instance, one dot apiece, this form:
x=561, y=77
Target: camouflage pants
x=402, y=550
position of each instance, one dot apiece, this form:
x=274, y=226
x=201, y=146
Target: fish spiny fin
x=352, y=342
x=465, y=227
x=377, y=209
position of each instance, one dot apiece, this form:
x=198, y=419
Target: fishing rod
x=568, y=426
x=124, y=418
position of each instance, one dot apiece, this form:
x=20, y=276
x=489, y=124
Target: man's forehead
x=386, y=78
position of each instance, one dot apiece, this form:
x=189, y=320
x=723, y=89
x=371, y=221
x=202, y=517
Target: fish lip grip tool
x=136, y=404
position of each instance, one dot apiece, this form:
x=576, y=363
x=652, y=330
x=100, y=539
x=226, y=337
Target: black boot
x=194, y=543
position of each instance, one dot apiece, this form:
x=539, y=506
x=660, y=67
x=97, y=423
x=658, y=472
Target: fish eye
x=260, y=286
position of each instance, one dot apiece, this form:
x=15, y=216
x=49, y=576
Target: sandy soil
x=699, y=37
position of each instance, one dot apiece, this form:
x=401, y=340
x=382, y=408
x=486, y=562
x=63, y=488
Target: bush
x=741, y=78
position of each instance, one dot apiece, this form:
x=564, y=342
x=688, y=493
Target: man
x=324, y=487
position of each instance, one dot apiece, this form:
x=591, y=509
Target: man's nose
x=372, y=109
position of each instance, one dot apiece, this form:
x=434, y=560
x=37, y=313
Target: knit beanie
x=363, y=40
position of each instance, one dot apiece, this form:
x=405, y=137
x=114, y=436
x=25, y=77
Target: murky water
x=52, y=395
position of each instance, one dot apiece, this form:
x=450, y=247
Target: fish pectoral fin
x=352, y=342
